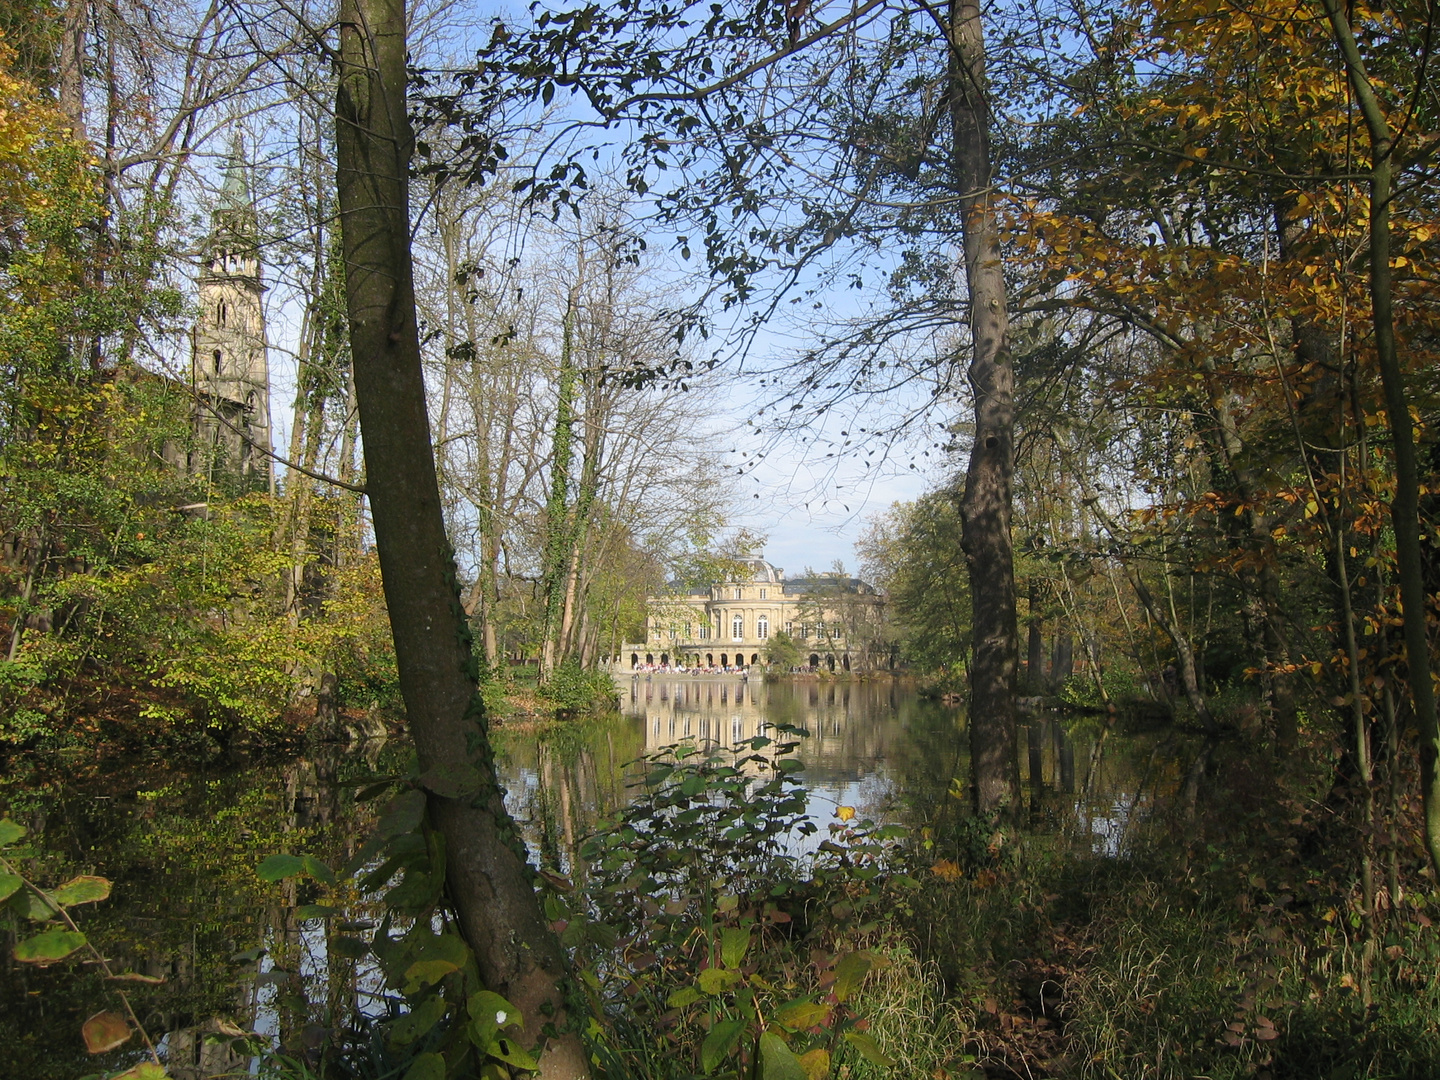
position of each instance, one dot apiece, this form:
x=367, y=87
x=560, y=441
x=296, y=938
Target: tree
x=487, y=876
x=1405, y=507
x=781, y=651
x=910, y=554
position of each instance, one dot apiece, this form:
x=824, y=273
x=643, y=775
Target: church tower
x=230, y=369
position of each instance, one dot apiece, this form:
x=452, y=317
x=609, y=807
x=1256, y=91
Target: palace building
x=835, y=621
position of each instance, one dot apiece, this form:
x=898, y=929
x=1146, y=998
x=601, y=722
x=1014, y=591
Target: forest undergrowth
x=1229, y=941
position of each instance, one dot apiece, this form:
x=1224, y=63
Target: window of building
x=737, y=627
x=738, y=592
x=805, y=632
x=820, y=631
x=764, y=594
x=216, y=356
x=687, y=631
x=672, y=635
x=705, y=631
x=762, y=628
x=789, y=628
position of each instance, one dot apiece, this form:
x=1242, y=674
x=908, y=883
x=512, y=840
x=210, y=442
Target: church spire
x=235, y=190
x=230, y=366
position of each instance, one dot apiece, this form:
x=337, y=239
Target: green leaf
x=81, y=890
x=717, y=980
x=10, y=832
x=279, y=867
x=33, y=905
x=404, y=814
x=687, y=995
x=427, y=1067
x=489, y=1006
x=734, y=943
x=352, y=948
x=852, y=968
x=408, y=1028
x=8, y=884
x=801, y=1014
x=718, y=1044
x=512, y=1053
x=869, y=1049
x=426, y=973
x=48, y=947
x=776, y=1060
x=146, y=1070
x=318, y=870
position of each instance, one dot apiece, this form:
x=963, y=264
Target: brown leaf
x=105, y=1031
x=135, y=976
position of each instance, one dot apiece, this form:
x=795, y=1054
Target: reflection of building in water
x=834, y=620
x=846, y=722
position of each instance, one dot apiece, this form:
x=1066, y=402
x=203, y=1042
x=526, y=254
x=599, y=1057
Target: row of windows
x=762, y=630
x=738, y=593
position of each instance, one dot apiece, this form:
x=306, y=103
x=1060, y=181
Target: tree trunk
x=1035, y=651
x=557, y=509
x=986, y=507
x=71, y=74
x=1405, y=507
x=487, y=879
x=1062, y=660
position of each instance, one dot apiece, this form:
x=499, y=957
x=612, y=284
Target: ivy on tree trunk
x=487, y=876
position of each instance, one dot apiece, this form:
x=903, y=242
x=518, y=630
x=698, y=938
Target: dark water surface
x=181, y=846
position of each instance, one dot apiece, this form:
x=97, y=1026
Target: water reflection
x=187, y=908
x=875, y=745
x=181, y=847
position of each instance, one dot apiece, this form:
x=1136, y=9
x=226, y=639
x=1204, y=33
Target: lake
x=181, y=845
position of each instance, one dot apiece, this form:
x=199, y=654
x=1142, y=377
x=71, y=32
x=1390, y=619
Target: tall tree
x=987, y=502
x=1405, y=507
x=487, y=875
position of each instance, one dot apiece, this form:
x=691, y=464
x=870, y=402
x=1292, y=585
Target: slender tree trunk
x=1035, y=651
x=557, y=510
x=1405, y=507
x=71, y=76
x=487, y=876
x=986, y=507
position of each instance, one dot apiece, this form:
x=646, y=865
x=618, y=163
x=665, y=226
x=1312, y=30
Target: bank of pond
x=1162, y=906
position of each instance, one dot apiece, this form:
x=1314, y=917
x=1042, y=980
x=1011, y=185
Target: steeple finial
x=235, y=191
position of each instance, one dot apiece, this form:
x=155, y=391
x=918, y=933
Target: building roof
x=821, y=584
x=757, y=571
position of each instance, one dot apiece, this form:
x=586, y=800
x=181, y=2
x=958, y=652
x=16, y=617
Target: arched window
x=762, y=628
x=219, y=362
x=220, y=313
x=737, y=627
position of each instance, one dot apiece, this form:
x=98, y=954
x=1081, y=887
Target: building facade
x=229, y=362
x=835, y=622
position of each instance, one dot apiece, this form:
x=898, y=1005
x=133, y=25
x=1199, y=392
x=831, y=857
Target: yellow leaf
x=816, y=1063
x=845, y=813
x=946, y=870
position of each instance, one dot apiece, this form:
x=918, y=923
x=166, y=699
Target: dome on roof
x=761, y=571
